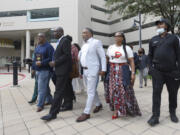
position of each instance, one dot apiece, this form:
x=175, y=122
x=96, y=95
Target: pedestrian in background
x=143, y=67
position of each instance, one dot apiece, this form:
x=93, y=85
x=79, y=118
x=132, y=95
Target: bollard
x=15, y=73
x=29, y=68
x=8, y=67
x=29, y=63
x=19, y=67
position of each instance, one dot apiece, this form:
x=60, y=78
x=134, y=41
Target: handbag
x=75, y=70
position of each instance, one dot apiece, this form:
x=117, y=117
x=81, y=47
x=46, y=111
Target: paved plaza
x=17, y=117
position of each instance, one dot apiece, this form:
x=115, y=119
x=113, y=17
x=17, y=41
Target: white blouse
x=116, y=54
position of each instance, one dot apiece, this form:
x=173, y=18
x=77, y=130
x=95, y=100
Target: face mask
x=160, y=31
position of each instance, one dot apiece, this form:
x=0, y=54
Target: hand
x=132, y=79
x=38, y=63
x=80, y=76
x=150, y=71
x=102, y=73
x=52, y=64
x=33, y=72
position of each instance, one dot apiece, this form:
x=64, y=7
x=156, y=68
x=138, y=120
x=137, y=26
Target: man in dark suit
x=63, y=66
x=69, y=93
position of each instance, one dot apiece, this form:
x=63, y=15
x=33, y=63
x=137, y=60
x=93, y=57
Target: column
x=22, y=51
x=28, y=42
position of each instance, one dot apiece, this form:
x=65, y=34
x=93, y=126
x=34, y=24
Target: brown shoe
x=47, y=103
x=39, y=109
x=98, y=108
x=83, y=117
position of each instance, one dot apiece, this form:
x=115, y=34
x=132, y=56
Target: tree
x=169, y=9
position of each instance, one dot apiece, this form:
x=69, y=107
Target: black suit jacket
x=62, y=58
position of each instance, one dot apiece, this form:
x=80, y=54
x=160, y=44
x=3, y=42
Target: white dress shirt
x=58, y=41
x=84, y=51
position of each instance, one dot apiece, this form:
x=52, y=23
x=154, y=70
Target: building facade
x=22, y=20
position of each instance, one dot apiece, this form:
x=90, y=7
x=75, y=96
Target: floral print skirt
x=118, y=90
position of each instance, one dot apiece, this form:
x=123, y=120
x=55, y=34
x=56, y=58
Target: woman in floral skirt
x=120, y=79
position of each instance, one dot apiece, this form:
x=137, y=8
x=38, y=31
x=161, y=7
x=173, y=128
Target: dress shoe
x=98, y=108
x=114, y=116
x=83, y=117
x=47, y=103
x=32, y=101
x=174, y=118
x=39, y=109
x=154, y=120
x=49, y=117
x=63, y=109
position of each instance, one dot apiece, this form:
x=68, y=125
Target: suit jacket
x=95, y=57
x=62, y=58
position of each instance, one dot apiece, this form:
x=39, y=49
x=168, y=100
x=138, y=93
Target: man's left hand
x=52, y=64
x=133, y=79
x=38, y=63
x=102, y=73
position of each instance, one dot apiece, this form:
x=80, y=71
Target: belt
x=85, y=68
x=120, y=64
x=161, y=68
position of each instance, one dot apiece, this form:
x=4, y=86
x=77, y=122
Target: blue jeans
x=49, y=96
x=43, y=78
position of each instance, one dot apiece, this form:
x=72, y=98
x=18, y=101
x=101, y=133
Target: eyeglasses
x=118, y=36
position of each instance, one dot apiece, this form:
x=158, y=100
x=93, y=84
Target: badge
x=118, y=54
x=117, y=67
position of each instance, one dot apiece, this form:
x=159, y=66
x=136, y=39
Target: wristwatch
x=133, y=73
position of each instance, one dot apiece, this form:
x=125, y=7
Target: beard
x=85, y=39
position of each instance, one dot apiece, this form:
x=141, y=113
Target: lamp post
x=140, y=29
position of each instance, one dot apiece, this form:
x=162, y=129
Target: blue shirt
x=44, y=54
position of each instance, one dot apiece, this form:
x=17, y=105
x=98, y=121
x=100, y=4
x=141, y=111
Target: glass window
x=12, y=13
x=44, y=13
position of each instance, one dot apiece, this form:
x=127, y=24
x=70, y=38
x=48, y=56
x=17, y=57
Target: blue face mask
x=160, y=31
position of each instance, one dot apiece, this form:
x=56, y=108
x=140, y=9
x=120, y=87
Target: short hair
x=78, y=47
x=41, y=34
x=141, y=50
x=59, y=30
x=90, y=30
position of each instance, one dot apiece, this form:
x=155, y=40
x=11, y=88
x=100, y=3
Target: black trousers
x=69, y=95
x=159, y=79
x=59, y=94
x=54, y=78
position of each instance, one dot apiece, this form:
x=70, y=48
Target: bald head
x=41, y=38
x=58, y=32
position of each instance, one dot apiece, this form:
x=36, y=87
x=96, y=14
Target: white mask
x=160, y=31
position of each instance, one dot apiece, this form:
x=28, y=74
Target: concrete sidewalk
x=17, y=117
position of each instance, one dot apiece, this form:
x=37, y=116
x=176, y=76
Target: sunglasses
x=118, y=36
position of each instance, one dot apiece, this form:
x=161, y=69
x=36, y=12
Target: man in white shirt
x=93, y=60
